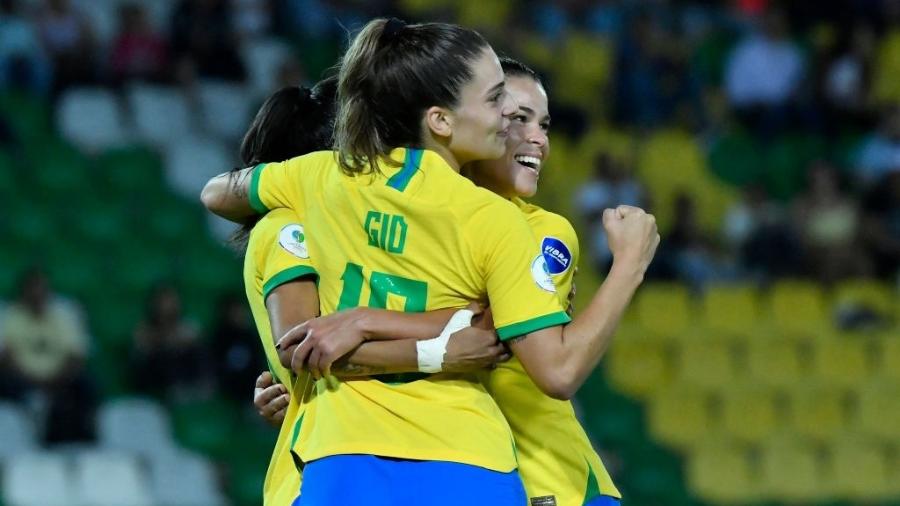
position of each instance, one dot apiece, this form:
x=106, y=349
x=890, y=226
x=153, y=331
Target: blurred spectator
x=846, y=79
x=204, y=42
x=69, y=40
x=44, y=346
x=880, y=151
x=167, y=355
x=687, y=252
x=764, y=72
x=827, y=221
x=237, y=354
x=23, y=64
x=756, y=234
x=137, y=52
x=611, y=185
x=881, y=224
x=253, y=18
x=651, y=76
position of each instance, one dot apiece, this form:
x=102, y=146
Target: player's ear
x=439, y=121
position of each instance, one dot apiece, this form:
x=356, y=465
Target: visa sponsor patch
x=557, y=255
x=293, y=240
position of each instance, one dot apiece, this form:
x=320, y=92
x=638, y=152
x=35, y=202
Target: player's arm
x=385, y=341
x=228, y=195
x=559, y=358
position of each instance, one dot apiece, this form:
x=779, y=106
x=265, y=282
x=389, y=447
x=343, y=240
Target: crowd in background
x=795, y=105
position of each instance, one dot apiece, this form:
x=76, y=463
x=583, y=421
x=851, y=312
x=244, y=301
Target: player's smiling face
x=516, y=173
x=480, y=122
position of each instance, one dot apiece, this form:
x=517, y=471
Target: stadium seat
x=639, y=366
x=665, y=309
x=135, y=425
x=750, y=413
x=190, y=163
x=489, y=16
x=792, y=472
x=131, y=171
x=27, y=114
x=888, y=352
x=868, y=295
x=225, y=109
x=786, y=162
x=735, y=159
x=109, y=479
x=842, y=360
x=181, y=478
x=884, y=88
x=776, y=362
x=161, y=114
x=722, y=472
x=879, y=410
x=583, y=68
x=263, y=58
x=709, y=365
x=206, y=427
x=17, y=430
x=681, y=416
x=799, y=308
x=37, y=479
x=817, y=411
x=60, y=170
x=731, y=310
x=860, y=469
x=91, y=118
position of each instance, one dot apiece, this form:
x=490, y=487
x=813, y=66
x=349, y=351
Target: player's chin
x=526, y=185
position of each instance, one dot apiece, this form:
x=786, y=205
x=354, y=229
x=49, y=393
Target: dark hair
x=389, y=76
x=292, y=122
x=515, y=68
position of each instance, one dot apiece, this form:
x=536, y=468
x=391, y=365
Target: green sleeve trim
x=255, y=201
x=541, y=322
x=286, y=275
x=592, y=490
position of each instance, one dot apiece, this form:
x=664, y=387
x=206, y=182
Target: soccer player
x=556, y=460
x=280, y=284
x=413, y=234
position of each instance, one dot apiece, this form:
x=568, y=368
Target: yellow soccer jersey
x=276, y=254
x=556, y=458
x=413, y=238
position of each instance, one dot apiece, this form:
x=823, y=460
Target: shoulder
x=277, y=226
x=547, y=223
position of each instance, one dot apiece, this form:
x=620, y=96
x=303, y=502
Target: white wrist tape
x=431, y=351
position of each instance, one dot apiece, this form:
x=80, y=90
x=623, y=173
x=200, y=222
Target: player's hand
x=324, y=340
x=271, y=399
x=632, y=235
x=473, y=348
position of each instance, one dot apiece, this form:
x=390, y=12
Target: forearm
x=383, y=325
x=227, y=195
x=560, y=359
x=383, y=357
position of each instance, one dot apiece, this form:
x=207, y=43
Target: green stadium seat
x=750, y=413
x=131, y=170
x=818, y=412
x=793, y=472
x=639, y=366
x=860, y=469
x=799, y=308
x=723, y=472
x=208, y=427
x=709, y=365
x=101, y=223
x=879, y=410
x=681, y=416
x=736, y=159
x=60, y=169
x=665, y=309
x=787, y=162
x=173, y=220
x=28, y=115
x=776, y=362
x=843, y=360
x=732, y=310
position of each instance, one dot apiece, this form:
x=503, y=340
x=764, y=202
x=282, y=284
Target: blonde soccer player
x=392, y=224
